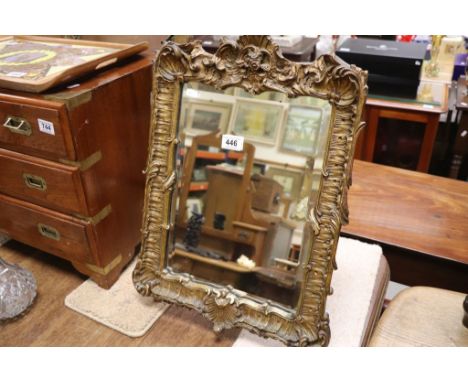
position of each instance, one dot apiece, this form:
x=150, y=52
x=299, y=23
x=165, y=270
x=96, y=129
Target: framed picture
x=290, y=180
x=194, y=205
x=301, y=130
x=204, y=117
x=258, y=168
x=199, y=174
x=257, y=121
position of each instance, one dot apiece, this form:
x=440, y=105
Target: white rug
x=121, y=307
x=355, y=284
x=357, y=296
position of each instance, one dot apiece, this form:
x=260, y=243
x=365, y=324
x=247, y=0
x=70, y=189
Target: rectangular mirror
x=240, y=214
x=249, y=164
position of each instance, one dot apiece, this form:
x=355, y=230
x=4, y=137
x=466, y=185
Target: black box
x=394, y=67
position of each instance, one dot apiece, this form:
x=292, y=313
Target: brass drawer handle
x=48, y=231
x=34, y=181
x=18, y=125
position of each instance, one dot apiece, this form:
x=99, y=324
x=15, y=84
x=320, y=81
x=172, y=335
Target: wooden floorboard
x=50, y=323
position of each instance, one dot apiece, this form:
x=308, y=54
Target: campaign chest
x=71, y=167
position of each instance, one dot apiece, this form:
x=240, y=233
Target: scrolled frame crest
x=255, y=64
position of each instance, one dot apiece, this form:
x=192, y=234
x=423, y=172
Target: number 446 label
x=232, y=142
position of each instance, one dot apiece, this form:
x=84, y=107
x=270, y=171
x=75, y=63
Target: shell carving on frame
x=255, y=64
x=222, y=309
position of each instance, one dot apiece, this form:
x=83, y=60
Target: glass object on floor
x=17, y=290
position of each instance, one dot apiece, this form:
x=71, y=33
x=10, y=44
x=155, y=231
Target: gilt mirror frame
x=255, y=64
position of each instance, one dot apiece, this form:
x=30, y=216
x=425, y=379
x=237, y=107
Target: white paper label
x=46, y=126
x=426, y=106
x=232, y=142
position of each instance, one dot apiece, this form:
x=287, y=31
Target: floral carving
x=255, y=64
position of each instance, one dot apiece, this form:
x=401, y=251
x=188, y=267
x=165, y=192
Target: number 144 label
x=232, y=142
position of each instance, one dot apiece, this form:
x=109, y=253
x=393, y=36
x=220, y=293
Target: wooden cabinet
x=458, y=168
x=71, y=167
x=402, y=133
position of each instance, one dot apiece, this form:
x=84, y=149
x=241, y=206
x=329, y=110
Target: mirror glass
x=239, y=212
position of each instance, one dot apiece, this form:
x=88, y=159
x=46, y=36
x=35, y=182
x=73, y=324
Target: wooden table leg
x=371, y=134
x=427, y=146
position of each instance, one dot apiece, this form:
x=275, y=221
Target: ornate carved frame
x=255, y=64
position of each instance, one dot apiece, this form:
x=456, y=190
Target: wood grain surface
x=50, y=323
x=93, y=165
x=422, y=316
x=62, y=184
x=409, y=210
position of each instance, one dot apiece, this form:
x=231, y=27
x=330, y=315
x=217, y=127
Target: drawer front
x=50, y=231
x=35, y=130
x=244, y=235
x=42, y=182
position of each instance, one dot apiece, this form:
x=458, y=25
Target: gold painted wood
x=255, y=64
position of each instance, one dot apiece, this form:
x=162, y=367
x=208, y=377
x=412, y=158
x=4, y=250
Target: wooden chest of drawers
x=71, y=168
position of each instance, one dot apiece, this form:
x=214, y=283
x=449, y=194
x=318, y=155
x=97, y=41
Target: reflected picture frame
x=257, y=121
x=255, y=64
x=300, y=132
x=205, y=117
x=290, y=180
x=193, y=205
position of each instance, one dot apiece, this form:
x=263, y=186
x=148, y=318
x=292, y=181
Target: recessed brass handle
x=48, y=231
x=34, y=181
x=18, y=125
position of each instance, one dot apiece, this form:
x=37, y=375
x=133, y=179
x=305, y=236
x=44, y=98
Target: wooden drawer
x=244, y=235
x=35, y=127
x=46, y=183
x=50, y=231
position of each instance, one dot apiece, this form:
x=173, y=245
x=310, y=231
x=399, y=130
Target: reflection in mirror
x=239, y=214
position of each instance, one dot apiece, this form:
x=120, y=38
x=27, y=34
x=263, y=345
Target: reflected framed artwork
x=301, y=130
x=290, y=180
x=232, y=261
x=257, y=121
x=206, y=117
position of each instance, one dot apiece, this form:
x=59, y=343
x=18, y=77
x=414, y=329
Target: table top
x=410, y=210
x=432, y=98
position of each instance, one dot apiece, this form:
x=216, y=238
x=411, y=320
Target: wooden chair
x=423, y=316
